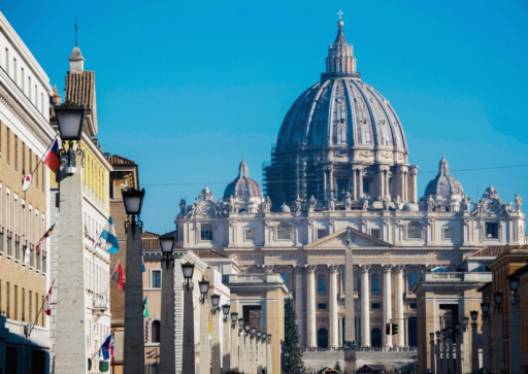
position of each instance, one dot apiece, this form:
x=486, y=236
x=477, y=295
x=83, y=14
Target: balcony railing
x=39, y=335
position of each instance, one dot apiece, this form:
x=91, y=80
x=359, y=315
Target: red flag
x=119, y=276
x=47, y=307
x=52, y=158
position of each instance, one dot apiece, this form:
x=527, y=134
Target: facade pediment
x=347, y=237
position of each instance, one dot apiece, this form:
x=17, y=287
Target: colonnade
x=391, y=300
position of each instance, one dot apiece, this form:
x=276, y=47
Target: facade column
x=400, y=342
x=299, y=304
x=360, y=184
x=365, y=307
x=414, y=184
x=332, y=309
x=354, y=185
x=310, y=308
x=387, y=305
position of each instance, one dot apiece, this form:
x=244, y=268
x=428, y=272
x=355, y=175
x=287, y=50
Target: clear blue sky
x=186, y=88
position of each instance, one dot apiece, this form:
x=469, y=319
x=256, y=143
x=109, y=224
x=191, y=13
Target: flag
x=109, y=235
x=119, y=276
x=26, y=183
x=145, y=307
x=52, y=158
x=47, y=301
x=106, y=352
x=142, y=266
x=44, y=237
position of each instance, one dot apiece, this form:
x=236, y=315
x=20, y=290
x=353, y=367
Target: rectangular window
x=492, y=230
x=30, y=309
x=375, y=233
x=16, y=152
x=16, y=301
x=8, y=300
x=155, y=279
x=321, y=306
x=321, y=233
x=447, y=232
x=249, y=234
x=8, y=145
x=283, y=232
x=206, y=232
x=23, y=304
x=375, y=305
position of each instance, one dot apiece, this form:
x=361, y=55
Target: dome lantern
x=341, y=60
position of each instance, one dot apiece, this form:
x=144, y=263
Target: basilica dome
x=243, y=187
x=445, y=190
x=341, y=111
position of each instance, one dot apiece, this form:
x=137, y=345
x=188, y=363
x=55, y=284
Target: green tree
x=292, y=362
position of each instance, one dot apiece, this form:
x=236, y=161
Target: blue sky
x=188, y=88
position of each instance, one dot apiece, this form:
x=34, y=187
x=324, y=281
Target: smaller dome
x=243, y=187
x=285, y=208
x=444, y=188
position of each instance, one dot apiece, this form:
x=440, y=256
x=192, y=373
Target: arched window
x=447, y=232
x=155, y=328
x=375, y=284
x=375, y=337
x=414, y=230
x=322, y=338
x=322, y=283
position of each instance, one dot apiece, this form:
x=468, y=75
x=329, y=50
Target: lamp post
x=432, y=352
x=234, y=341
x=216, y=357
x=226, y=359
x=515, y=327
x=134, y=353
x=70, y=344
x=474, y=343
x=205, y=312
x=485, y=336
x=188, y=359
x=167, y=343
x=499, y=332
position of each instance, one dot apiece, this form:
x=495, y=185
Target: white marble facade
x=351, y=194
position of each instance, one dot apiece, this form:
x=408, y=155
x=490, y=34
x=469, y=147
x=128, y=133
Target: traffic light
x=394, y=328
x=387, y=328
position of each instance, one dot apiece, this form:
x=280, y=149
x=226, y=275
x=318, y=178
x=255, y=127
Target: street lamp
x=234, y=319
x=225, y=310
x=167, y=338
x=474, y=315
x=70, y=119
x=188, y=271
x=134, y=342
x=498, y=300
x=203, y=285
x=485, y=309
x=215, y=302
x=188, y=361
x=167, y=246
x=70, y=344
x=514, y=286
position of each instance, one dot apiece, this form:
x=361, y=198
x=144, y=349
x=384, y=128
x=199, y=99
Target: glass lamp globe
x=167, y=243
x=133, y=200
x=187, y=270
x=70, y=118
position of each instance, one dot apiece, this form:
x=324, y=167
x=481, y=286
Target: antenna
x=75, y=33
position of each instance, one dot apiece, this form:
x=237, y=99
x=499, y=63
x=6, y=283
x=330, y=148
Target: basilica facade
x=342, y=218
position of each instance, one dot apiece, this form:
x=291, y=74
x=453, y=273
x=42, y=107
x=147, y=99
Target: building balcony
x=38, y=334
x=100, y=303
